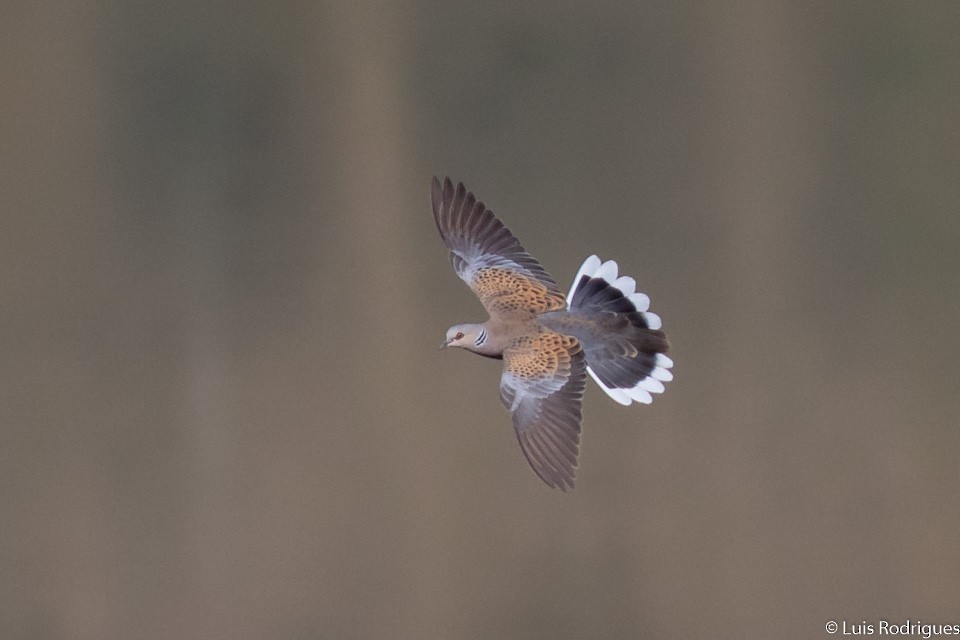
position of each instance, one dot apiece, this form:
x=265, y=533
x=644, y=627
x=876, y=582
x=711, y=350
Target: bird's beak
x=443, y=344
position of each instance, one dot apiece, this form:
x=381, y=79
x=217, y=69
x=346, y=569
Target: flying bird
x=548, y=342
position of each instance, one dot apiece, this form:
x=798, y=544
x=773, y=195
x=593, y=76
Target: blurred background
x=222, y=410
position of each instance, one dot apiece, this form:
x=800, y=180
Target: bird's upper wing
x=507, y=279
x=542, y=385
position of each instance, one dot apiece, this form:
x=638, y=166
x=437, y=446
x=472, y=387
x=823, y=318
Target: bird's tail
x=624, y=346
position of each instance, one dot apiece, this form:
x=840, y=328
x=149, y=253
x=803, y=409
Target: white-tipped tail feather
x=593, y=267
x=589, y=266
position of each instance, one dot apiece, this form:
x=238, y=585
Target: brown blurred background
x=223, y=414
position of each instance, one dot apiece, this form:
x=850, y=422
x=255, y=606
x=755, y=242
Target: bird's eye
x=458, y=336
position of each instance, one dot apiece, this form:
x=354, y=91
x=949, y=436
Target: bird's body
x=549, y=342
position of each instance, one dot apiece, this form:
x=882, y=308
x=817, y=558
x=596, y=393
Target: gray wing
x=506, y=279
x=542, y=385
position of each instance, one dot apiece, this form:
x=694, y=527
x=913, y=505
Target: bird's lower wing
x=542, y=385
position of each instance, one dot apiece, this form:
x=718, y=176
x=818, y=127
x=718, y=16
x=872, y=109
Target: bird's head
x=465, y=336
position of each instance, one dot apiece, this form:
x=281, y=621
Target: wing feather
x=542, y=385
x=507, y=280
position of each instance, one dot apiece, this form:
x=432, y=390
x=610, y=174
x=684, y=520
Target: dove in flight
x=548, y=342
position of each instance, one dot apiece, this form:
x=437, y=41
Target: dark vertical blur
x=222, y=411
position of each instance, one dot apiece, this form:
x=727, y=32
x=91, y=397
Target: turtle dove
x=548, y=342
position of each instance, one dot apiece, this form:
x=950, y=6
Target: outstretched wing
x=542, y=386
x=507, y=279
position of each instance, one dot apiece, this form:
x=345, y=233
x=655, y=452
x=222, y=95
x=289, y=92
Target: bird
x=549, y=343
